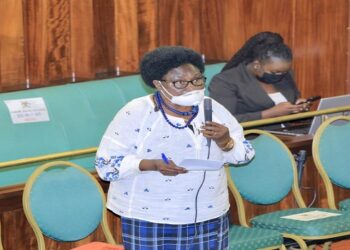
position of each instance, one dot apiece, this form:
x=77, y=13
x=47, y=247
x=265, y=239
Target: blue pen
x=165, y=159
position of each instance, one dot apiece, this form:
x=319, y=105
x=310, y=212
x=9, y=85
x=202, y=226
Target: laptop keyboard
x=296, y=131
x=291, y=133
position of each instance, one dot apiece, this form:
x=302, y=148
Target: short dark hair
x=157, y=63
x=261, y=46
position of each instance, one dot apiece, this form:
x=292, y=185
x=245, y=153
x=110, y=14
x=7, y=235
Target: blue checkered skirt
x=144, y=235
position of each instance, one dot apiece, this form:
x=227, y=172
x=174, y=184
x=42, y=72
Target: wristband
x=229, y=145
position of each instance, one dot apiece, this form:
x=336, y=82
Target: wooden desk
x=296, y=143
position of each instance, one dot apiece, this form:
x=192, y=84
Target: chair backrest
x=210, y=71
x=330, y=150
x=79, y=114
x=268, y=178
x=64, y=202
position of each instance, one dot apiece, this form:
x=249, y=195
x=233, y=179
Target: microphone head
x=208, y=111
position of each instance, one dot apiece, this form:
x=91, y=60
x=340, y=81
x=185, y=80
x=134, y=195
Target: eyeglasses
x=181, y=84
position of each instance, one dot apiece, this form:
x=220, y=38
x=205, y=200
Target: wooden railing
x=294, y=116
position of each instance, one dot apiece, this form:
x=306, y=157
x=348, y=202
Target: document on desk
x=199, y=165
x=312, y=215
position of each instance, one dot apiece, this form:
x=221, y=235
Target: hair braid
x=247, y=53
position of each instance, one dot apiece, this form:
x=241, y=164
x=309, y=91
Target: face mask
x=271, y=78
x=191, y=98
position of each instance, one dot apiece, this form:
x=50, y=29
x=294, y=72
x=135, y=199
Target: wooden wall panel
x=35, y=19
x=234, y=27
x=59, y=42
x=168, y=22
x=271, y=15
x=12, y=52
x=181, y=25
x=82, y=39
x=48, y=44
x=104, y=38
x=126, y=33
x=320, y=46
x=51, y=39
x=147, y=26
x=189, y=30
x=212, y=35
x=244, y=18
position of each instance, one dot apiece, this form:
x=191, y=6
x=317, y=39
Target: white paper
x=197, y=165
x=312, y=215
x=27, y=110
x=277, y=97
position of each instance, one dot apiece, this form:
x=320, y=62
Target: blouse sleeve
x=242, y=151
x=116, y=156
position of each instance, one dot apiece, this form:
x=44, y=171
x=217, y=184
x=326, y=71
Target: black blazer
x=240, y=92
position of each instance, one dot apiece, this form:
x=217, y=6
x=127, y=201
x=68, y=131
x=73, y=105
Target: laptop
x=311, y=125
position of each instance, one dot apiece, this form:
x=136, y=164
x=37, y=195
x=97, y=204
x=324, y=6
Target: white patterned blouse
x=139, y=132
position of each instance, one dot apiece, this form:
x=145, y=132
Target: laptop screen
x=328, y=103
x=315, y=122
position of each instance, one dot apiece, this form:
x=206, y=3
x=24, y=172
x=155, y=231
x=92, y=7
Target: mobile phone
x=311, y=99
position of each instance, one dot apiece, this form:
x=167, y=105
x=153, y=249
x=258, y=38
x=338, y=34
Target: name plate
x=27, y=110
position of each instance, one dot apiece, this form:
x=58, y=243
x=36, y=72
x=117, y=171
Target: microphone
x=208, y=115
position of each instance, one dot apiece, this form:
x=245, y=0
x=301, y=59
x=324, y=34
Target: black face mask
x=271, y=78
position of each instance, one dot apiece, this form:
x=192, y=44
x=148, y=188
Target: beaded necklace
x=160, y=103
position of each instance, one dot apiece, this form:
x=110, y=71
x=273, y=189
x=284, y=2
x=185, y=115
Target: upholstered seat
x=345, y=205
x=243, y=238
x=330, y=225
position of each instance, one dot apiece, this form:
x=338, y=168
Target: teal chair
x=210, y=71
x=64, y=202
x=330, y=150
x=268, y=179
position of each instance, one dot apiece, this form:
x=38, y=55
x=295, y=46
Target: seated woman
x=257, y=82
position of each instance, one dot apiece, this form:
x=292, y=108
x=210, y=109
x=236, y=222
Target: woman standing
x=162, y=205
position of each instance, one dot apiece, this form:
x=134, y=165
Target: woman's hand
x=159, y=165
x=283, y=108
x=305, y=103
x=217, y=132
